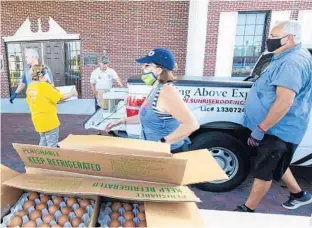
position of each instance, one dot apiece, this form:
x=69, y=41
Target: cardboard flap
x=201, y=167
x=136, y=167
x=7, y=173
x=173, y=215
x=8, y=194
x=104, y=144
x=104, y=187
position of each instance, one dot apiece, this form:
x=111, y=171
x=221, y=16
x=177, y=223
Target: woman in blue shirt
x=163, y=116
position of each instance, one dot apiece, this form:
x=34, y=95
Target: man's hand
x=13, y=97
x=255, y=137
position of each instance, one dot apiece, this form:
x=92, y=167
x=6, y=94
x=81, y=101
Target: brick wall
x=217, y=6
x=125, y=29
x=129, y=29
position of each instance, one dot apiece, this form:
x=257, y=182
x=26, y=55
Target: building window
x=71, y=52
x=15, y=63
x=72, y=64
x=249, y=41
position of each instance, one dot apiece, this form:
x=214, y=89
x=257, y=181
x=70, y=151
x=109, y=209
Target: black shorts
x=183, y=148
x=273, y=158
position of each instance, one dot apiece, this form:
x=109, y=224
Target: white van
x=218, y=105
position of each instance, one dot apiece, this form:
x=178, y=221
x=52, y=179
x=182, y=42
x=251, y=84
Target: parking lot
x=17, y=128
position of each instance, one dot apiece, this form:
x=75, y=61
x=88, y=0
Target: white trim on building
x=279, y=16
x=226, y=43
x=196, y=38
x=305, y=19
x=56, y=32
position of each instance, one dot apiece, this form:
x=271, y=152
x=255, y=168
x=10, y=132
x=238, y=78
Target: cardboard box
x=8, y=194
x=67, y=89
x=156, y=180
x=11, y=195
x=100, y=143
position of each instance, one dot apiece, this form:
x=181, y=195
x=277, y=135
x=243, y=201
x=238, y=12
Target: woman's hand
x=74, y=93
x=115, y=124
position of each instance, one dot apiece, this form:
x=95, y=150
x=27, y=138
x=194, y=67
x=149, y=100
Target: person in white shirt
x=101, y=80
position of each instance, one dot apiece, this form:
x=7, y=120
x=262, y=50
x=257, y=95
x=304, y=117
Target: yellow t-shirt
x=42, y=99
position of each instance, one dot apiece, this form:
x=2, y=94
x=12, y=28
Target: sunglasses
x=151, y=64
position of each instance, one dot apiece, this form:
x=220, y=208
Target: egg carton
x=104, y=216
x=63, y=204
x=14, y=209
x=24, y=197
x=85, y=218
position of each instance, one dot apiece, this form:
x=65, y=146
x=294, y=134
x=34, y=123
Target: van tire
x=227, y=144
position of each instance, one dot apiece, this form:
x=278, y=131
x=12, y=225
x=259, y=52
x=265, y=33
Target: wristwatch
x=163, y=140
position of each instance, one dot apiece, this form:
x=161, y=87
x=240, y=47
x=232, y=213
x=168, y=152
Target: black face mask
x=273, y=44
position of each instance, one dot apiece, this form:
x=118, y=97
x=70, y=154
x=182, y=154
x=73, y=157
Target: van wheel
x=230, y=154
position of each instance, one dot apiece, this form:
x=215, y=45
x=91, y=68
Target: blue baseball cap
x=159, y=56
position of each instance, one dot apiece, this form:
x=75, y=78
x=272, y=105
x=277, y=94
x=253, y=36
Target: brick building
x=219, y=38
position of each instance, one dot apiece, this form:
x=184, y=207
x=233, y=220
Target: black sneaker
x=294, y=203
x=243, y=208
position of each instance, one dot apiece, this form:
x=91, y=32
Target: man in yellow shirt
x=42, y=99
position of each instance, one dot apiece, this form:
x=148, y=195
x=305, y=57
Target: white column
x=196, y=38
x=226, y=43
x=277, y=16
x=305, y=20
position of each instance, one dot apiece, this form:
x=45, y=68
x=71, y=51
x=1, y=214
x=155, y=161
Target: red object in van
x=133, y=105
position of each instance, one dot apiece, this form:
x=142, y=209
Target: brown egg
x=127, y=207
x=141, y=216
x=33, y=195
x=56, y=226
x=21, y=213
x=141, y=208
x=53, y=209
x=128, y=215
x=80, y=211
x=48, y=218
x=129, y=223
x=84, y=203
x=76, y=222
x=35, y=214
x=44, y=225
x=30, y=224
x=44, y=198
x=114, y=215
x=57, y=200
x=41, y=206
x=114, y=223
x=71, y=201
x=116, y=206
x=66, y=210
x=142, y=224
x=16, y=221
x=63, y=219
x=28, y=204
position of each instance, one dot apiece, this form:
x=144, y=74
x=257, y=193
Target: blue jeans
x=49, y=138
